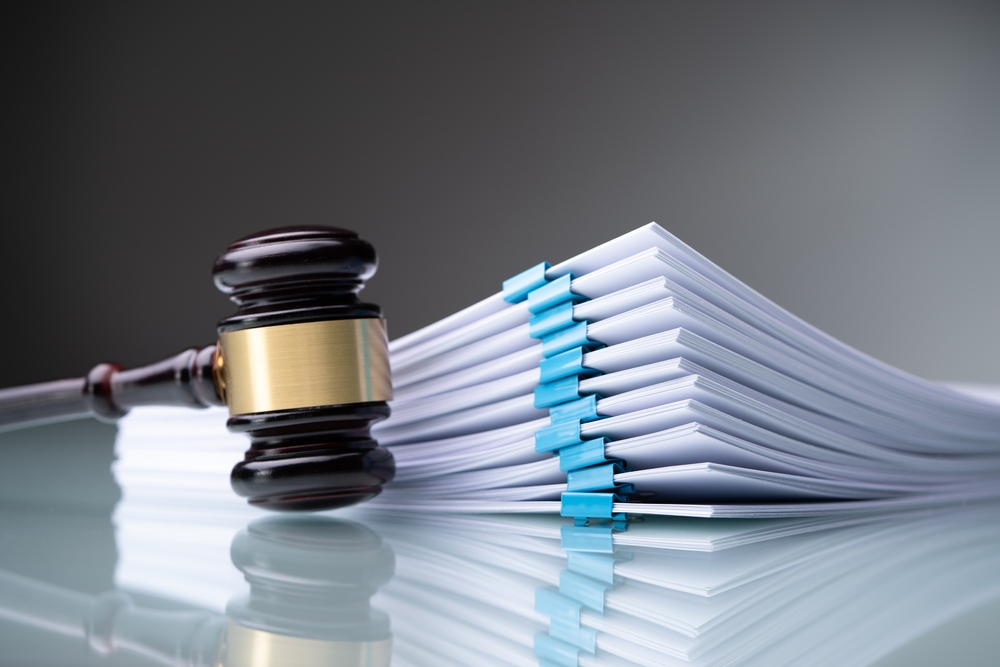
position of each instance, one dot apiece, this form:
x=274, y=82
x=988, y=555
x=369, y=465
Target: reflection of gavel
x=303, y=367
x=311, y=580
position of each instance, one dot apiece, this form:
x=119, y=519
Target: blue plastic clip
x=563, y=365
x=590, y=505
x=553, y=293
x=550, y=320
x=598, y=478
x=586, y=591
x=564, y=619
x=560, y=391
x=557, y=436
x=566, y=339
x=582, y=410
x=516, y=289
x=553, y=605
x=582, y=455
x=552, y=651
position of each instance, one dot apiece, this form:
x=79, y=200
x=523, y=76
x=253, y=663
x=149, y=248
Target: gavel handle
x=109, y=391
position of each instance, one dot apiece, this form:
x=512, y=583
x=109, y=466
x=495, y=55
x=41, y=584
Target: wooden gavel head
x=303, y=366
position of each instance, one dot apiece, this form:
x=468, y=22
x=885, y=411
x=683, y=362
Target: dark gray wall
x=842, y=158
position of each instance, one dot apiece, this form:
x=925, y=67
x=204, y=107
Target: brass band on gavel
x=303, y=365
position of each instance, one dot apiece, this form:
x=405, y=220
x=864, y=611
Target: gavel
x=303, y=366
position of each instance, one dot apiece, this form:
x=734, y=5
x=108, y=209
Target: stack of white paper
x=714, y=400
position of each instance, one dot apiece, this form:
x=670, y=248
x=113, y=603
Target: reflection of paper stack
x=169, y=457
x=486, y=590
x=641, y=371
x=842, y=597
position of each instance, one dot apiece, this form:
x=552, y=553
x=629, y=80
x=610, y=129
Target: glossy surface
x=88, y=578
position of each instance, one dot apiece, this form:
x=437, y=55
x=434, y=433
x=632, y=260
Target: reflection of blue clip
x=586, y=591
x=589, y=574
x=593, y=539
x=516, y=288
x=552, y=652
x=618, y=521
x=564, y=619
x=595, y=566
x=577, y=635
x=555, y=606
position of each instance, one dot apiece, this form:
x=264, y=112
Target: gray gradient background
x=841, y=158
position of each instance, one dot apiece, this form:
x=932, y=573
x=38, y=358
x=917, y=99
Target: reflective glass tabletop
x=93, y=576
